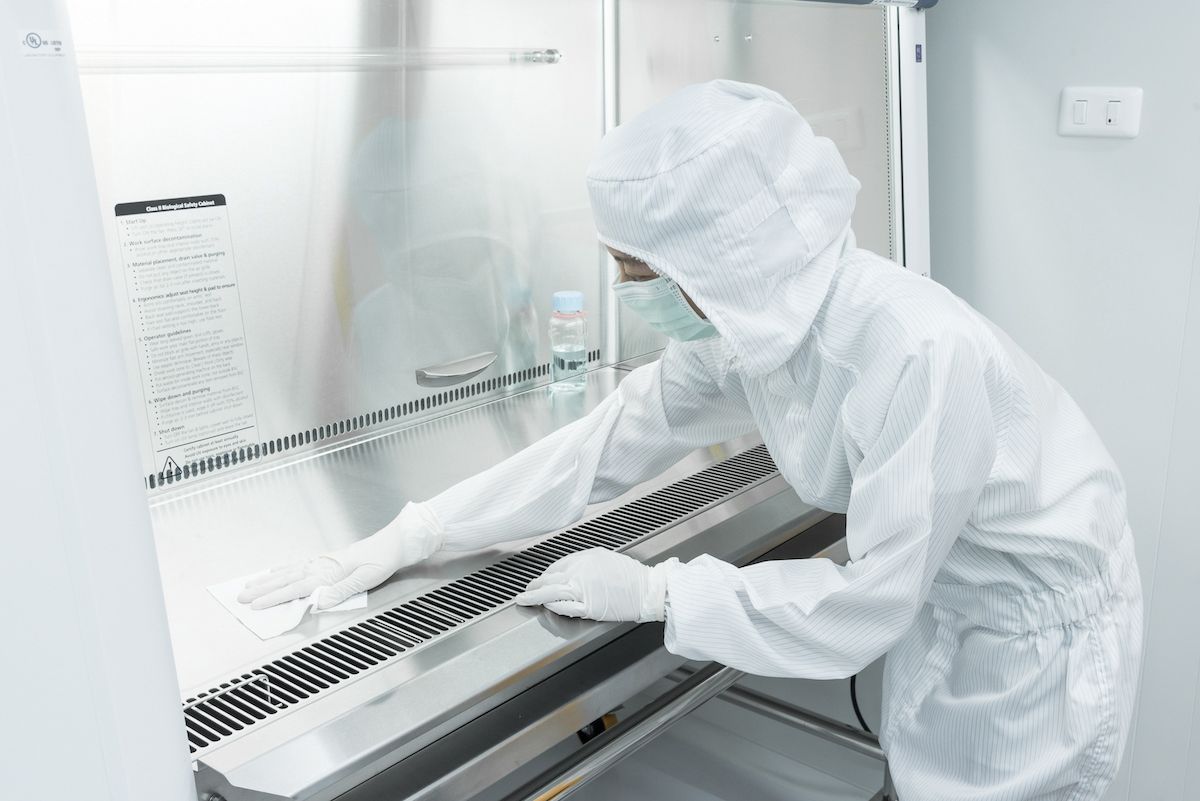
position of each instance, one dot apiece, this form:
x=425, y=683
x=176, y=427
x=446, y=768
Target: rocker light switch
x=1112, y=111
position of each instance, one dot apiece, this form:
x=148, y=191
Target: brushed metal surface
x=630, y=735
x=486, y=750
x=259, y=696
x=506, y=747
x=404, y=180
x=330, y=746
x=323, y=502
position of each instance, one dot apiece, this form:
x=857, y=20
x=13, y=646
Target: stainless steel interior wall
x=403, y=182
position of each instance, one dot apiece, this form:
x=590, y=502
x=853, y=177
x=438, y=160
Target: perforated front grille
x=349, y=426
x=234, y=706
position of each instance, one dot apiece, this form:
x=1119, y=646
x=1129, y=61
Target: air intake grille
x=220, y=713
x=349, y=425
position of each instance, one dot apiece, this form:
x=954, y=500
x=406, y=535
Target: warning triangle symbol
x=170, y=467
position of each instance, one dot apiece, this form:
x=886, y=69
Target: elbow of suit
x=853, y=660
x=844, y=658
x=821, y=653
x=888, y=624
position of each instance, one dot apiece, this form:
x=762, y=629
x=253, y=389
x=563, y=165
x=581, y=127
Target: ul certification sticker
x=40, y=44
x=187, y=324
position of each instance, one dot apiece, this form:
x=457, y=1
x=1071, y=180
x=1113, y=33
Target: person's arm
x=913, y=492
x=659, y=413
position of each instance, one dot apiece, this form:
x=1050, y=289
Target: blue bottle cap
x=568, y=301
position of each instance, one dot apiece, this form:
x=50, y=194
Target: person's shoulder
x=901, y=311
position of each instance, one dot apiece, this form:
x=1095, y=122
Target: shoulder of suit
x=882, y=314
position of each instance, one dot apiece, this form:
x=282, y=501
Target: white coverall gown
x=986, y=523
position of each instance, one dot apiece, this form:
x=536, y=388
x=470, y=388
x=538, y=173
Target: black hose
x=854, y=700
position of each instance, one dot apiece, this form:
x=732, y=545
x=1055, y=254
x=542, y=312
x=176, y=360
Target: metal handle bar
x=600, y=754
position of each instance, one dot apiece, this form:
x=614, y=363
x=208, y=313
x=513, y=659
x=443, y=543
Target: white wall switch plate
x=1111, y=111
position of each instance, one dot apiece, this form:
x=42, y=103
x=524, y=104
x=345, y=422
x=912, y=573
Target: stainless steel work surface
x=329, y=500
x=319, y=746
x=374, y=721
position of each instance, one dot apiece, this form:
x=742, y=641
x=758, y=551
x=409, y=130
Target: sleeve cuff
x=654, y=605
x=416, y=533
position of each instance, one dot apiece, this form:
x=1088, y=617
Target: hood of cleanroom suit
x=724, y=188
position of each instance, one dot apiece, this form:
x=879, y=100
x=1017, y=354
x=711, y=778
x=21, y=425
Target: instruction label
x=187, y=326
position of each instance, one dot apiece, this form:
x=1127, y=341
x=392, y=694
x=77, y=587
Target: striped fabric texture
x=990, y=554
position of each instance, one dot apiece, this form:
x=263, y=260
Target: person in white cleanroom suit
x=990, y=554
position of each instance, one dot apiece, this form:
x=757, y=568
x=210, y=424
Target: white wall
x=1085, y=251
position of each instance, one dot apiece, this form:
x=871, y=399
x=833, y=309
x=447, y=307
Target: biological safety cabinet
x=274, y=269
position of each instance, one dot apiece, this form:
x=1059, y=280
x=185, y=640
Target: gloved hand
x=413, y=536
x=601, y=585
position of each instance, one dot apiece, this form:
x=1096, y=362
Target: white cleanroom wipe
x=276, y=620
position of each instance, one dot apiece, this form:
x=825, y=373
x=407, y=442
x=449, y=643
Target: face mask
x=660, y=303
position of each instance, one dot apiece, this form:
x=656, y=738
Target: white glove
x=601, y=585
x=413, y=536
